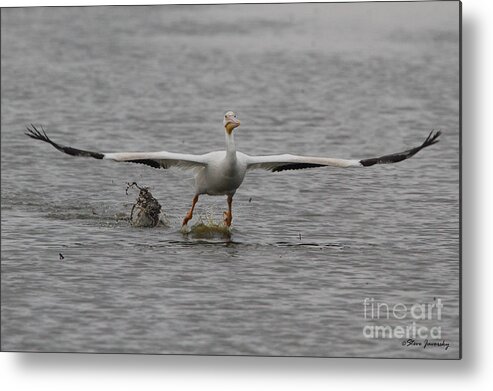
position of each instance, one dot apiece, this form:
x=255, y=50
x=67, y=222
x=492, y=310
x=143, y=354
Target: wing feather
x=276, y=163
x=161, y=159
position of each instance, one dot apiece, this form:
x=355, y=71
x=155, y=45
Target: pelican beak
x=230, y=123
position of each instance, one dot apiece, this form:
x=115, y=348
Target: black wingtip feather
x=34, y=133
x=400, y=156
x=432, y=138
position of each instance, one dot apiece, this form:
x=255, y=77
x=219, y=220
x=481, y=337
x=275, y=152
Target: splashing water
x=208, y=228
x=147, y=209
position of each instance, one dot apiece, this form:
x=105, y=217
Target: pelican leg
x=189, y=215
x=228, y=216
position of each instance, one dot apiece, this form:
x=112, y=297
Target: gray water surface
x=307, y=247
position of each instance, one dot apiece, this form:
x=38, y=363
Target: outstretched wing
x=161, y=159
x=276, y=163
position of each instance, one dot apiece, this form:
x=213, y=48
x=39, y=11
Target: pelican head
x=230, y=121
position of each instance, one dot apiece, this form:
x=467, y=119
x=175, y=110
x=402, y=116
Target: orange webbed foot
x=227, y=218
x=187, y=218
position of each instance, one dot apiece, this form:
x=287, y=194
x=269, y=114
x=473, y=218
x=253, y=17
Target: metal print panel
x=296, y=192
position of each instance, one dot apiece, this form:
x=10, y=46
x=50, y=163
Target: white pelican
x=222, y=172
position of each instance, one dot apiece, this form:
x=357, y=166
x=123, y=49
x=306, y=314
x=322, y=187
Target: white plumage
x=222, y=172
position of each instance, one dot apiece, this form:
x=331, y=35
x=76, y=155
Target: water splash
x=208, y=228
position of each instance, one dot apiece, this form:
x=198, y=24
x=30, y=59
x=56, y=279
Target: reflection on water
x=305, y=248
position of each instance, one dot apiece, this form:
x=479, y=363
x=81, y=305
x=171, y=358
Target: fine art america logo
x=415, y=325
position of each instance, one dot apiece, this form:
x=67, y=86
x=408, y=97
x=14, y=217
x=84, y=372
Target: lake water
x=307, y=247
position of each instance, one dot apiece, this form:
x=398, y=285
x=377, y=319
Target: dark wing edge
x=147, y=162
x=399, y=156
x=34, y=133
x=295, y=166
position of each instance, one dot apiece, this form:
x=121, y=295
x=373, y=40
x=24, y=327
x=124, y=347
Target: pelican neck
x=230, y=144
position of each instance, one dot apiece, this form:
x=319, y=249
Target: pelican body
x=222, y=172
